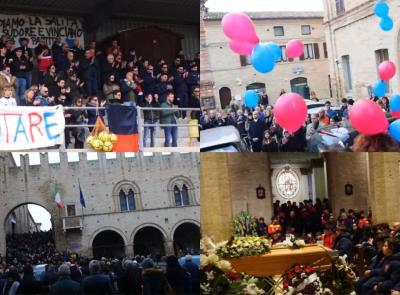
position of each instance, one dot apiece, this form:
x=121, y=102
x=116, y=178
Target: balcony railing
x=72, y=222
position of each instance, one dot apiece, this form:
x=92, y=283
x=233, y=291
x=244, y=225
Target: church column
x=216, y=203
x=383, y=185
x=129, y=250
x=169, y=247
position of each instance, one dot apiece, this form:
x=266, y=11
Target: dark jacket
x=256, y=129
x=161, y=89
x=97, y=284
x=344, y=245
x=16, y=67
x=154, y=282
x=194, y=271
x=179, y=280
x=30, y=285
x=180, y=86
x=92, y=114
x=130, y=283
x=65, y=286
x=151, y=116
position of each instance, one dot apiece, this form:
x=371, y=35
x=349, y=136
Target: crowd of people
x=70, y=273
x=350, y=233
x=260, y=131
x=73, y=76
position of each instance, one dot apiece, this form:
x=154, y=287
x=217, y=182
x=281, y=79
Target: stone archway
x=186, y=236
x=108, y=243
x=225, y=97
x=149, y=240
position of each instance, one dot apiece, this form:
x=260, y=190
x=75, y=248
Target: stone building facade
x=229, y=183
x=357, y=45
x=20, y=221
x=232, y=75
x=134, y=205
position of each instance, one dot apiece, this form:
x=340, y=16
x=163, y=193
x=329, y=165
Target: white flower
x=300, y=243
x=353, y=293
x=252, y=289
x=210, y=275
x=213, y=259
x=203, y=261
x=224, y=265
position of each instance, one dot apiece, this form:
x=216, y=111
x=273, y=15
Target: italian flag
x=57, y=197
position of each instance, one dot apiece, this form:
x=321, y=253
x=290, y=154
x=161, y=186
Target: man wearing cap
x=65, y=285
x=154, y=279
x=96, y=283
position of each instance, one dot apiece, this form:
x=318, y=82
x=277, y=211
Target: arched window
x=185, y=196
x=177, y=195
x=127, y=202
x=181, y=192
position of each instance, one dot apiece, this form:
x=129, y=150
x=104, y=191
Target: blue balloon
x=251, y=99
x=263, y=58
x=276, y=50
x=386, y=24
x=394, y=130
x=381, y=9
x=395, y=103
x=380, y=88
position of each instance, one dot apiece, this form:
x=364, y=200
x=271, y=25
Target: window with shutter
x=316, y=50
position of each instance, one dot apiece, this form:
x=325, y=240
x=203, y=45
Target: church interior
x=353, y=198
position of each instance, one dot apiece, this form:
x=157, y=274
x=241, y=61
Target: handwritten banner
x=36, y=27
x=24, y=128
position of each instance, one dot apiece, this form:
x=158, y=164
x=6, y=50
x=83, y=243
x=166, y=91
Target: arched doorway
x=28, y=232
x=225, y=97
x=149, y=240
x=108, y=244
x=261, y=90
x=187, y=238
x=300, y=85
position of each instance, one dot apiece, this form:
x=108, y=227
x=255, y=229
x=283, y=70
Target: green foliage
x=244, y=225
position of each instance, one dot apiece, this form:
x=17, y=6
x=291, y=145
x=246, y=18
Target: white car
x=221, y=139
x=314, y=107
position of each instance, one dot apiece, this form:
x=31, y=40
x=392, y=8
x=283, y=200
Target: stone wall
x=152, y=175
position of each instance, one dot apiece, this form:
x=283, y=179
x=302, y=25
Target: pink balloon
x=368, y=118
x=290, y=111
x=243, y=48
x=395, y=114
x=239, y=27
x=294, y=48
x=387, y=70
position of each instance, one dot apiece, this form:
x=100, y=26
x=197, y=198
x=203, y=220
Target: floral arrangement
x=303, y=280
x=340, y=278
x=243, y=246
x=292, y=243
x=244, y=225
x=217, y=277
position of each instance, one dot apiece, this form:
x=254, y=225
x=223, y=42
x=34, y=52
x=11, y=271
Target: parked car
x=222, y=139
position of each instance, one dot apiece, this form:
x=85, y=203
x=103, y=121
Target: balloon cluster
x=102, y=142
x=239, y=28
x=381, y=10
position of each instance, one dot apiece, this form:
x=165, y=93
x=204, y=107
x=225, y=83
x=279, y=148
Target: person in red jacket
x=274, y=227
x=45, y=60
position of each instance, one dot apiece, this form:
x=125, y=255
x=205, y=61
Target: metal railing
x=140, y=120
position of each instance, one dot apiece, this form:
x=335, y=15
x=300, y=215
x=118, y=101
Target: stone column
x=169, y=247
x=129, y=250
x=216, y=203
x=2, y=241
x=383, y=184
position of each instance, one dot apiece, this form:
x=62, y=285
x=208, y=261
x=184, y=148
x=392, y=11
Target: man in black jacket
x=161, y=89
x=256, y=132
x=181, y=89
x=150, y=117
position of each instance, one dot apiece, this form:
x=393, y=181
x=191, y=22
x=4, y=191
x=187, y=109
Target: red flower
x=290, y=275
x=285, y=284
x=233, y=276
x=297, y=269
x=208, y=268
x=309, y=270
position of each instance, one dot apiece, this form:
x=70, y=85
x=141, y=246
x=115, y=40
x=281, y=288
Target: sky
x=264, y=5
x=41, y=215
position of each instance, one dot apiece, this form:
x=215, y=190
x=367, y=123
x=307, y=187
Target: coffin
x=280, y=260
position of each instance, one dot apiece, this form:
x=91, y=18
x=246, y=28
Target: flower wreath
x=243, y=246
